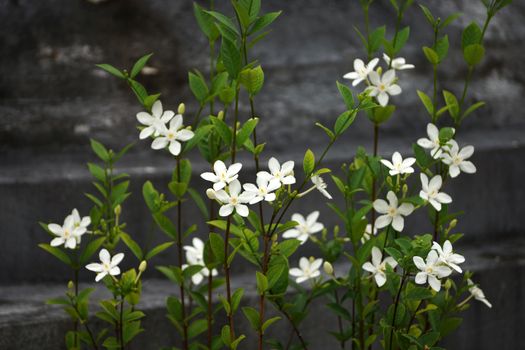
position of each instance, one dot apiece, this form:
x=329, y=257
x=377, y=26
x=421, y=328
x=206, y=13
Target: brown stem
x=210, y=290
x=121, y=323
x=227, y=275
x=295, y=330
x=339, y=320
x=181, y=262
x=395, y=311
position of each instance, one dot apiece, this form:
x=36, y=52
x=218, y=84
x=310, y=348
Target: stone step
x=47, y=188
x=27, y=323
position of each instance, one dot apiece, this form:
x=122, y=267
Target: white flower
x=457, y=161
x=393, y=214
x=368, y=233
x=70, y=233
x=477, y=293
x=195, y=256
x=263, y=190
x=398, y=63
x=107, y=266
x=284, y=173
x=399, y=165
x=154, y=122
x=222, y=176
x=430, y=191
x=447, y=256
x=307, y=269
x=305, y=227
x=432, y=142
x=234, y=200
x=431, y=270
x=361, y=71
x=378, y=266
x=383, y=86
x=171, y=136
x=321, y=185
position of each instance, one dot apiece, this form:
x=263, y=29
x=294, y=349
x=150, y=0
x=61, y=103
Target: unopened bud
x=328, y=268
x=70, y=285
x=379, y=71
x=118, y=210
x=336, y=230
x=453, y=223
x=405, y=190
x=312, y=259
x=448, y=284
x=389, y=181
x=210, y=193
x=143, y=265
x=181, y=109
x=220, y=116
x=274, y=237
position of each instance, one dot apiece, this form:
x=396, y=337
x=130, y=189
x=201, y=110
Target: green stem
x=180, y=263
x=395, y=310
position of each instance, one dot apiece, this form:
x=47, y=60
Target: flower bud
x=328, y=268
x=448, y=284
x=70, y=285
x=143, y=265
x=389, y=181
x=274, y=237
x=118, y=210
x=405, y=190
x=379, y=70
x=181, y=109
x=453, y=223
x=311, y=259
x=210, y=193
x=220, y=116
x=336, y=230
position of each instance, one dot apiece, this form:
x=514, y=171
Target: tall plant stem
x=121, y=323
x=210, y=289
x=75, y=323
x=395, y=311
x=295, y=330
x=180, y=263
x=339, y=320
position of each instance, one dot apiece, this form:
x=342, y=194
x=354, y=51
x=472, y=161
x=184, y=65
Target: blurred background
x=53, y=99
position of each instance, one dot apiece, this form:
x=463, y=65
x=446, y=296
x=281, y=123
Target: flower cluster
x=195, y=257
x=234, y=197
x=164, y=135
x=381, y=86
x=71, y=231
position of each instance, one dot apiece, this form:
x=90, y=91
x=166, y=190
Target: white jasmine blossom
x=321, y=185
x=108, y=265
x=432, y=142
x=378, y=266
x=399, y=166
x=70, y=233
x=456, y=159
x=361, y=71
x=308, y=269
x=384, y=86
x=234, y=200
x=284, y=173
x=154, y=122
x=398, y=63
x=447, y=256
x=431, y=270
x=477, y=293
x=195, y=256
x=430, y=191
x=368, y=233
x=392, y=212
x=305, y=227
x=171, y=136
x=263, y=190
x=222, y=176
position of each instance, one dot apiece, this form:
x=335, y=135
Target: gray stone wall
x=53, y=99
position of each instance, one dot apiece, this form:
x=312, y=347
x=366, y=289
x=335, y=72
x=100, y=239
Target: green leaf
x=376, y=39
x=402, y=38
x=252, y=79
x=431, y=55
x=198, y=87
x=246, y=130
x=263, y=22
x=472, y=108
x=150, y=196
x=452, y=104
x=200, y=133
x=231, y=58
x=99, y=150
x=59, y=254
x=473, y=54
x=90, y=249
x=205, y=22
x=158, y=249
x=236, y=299
x=428, y=14
x=197, y=327
x=222, y=129
x=111, y=70
x=446, y=134
x=344, y=121
x=262, y=283
x=165, y=225
x=269, y=322
x=427, y=102
x=224, y=21
x=418, y=293
x=308, y=162
x=345, y=92
x=326, y=130
x=137, y=67
x=471, y=35
x=381, y=114
x=217, y=246
x=442, y=48
x=253, y=316
x=199, y=202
